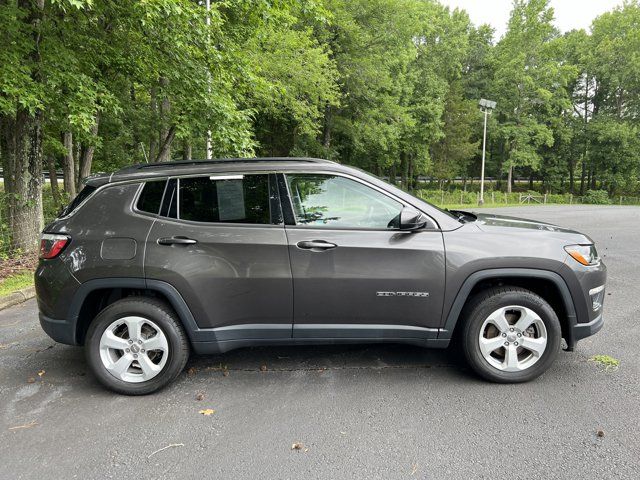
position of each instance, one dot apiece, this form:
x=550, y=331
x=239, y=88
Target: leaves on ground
x=299, y=446
x=207, y=412
x=600, y=433
x=33, y=423
x=31, y=380
x=263, y=368
x=200, y=396
x=192, y=371
x=41, y=373
x=609, y=363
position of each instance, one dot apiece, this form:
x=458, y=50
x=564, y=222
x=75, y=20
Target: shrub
x=596, y=197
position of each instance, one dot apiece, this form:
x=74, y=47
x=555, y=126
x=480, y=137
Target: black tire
x=487, y=302
x=159, y=313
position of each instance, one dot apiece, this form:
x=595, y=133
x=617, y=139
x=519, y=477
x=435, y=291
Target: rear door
x=353, y=275
x=220, y=241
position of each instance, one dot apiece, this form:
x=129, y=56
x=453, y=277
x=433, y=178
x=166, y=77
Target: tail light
x=51, y=244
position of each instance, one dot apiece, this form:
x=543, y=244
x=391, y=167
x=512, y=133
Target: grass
x=16, y=282
x=609, y=363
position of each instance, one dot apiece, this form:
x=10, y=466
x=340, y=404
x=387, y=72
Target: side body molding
x=473, y=279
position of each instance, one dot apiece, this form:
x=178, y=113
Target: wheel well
x=98, y=300
x=545, y=288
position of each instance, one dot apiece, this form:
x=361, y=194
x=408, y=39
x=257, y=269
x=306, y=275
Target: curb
x=17, y=297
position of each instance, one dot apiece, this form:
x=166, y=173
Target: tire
x=121, y=332
x=523, y=350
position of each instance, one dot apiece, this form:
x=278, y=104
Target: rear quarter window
x=150, y=198
x=75, y=203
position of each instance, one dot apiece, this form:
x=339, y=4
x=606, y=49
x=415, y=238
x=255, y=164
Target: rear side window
x=81, y=197
x=228, y=199
x=151, y=197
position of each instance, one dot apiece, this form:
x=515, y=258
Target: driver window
x=336, y=202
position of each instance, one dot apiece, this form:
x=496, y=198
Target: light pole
x=486, y=106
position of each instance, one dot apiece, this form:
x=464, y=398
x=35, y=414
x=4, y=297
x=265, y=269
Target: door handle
x=176, y=241
x=316, y=245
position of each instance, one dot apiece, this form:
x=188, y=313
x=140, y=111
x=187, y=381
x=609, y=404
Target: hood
x=491, y=220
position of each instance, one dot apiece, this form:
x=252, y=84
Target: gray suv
x=157, y=260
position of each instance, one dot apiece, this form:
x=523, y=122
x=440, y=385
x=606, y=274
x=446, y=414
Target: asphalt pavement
x=355, y=412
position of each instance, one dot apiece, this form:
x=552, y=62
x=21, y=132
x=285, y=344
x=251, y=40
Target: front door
x=353, y=274
x=221, y=243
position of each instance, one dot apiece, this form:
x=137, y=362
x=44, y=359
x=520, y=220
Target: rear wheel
x=510, y=335
x=136, y=346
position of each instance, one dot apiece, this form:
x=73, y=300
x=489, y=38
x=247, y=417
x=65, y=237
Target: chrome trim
x=226, y=177
x=595, y=290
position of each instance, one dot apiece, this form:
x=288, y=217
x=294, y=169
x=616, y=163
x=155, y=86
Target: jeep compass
x=156, y=261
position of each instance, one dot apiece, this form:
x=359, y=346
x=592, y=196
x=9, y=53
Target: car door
x=353, y=274
x=220, y=241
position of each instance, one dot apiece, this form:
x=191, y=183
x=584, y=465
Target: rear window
x=81, y=197
x=151, y=197
x=233, y=199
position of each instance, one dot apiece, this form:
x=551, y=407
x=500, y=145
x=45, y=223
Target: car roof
x=143, y=171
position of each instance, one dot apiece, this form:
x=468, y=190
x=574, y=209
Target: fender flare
x=167, y=290
x=472, y=280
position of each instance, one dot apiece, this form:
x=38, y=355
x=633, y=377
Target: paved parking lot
x=358, y=412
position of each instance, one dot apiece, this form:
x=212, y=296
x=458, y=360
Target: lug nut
x=511, y=329
x=142, y=350
x=135, y=355
x=516, y=344
x=506, y=344
x=140, y=342
x=130, y=341
x=519, y=334
x=504, y=334
x=127, y=350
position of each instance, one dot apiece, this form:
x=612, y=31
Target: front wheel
x=510, y=335
x=136, y=346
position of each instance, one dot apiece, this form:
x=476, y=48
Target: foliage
x=596, y=197
x=390, y=86
x=15, y=282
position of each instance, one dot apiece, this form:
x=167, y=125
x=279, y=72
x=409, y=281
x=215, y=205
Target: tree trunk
x=510, y=179
x=68, y=167
x=25, y=173
x=326, y=131
x=164, y=155
x=86, y=159
x=404, y=170
x=186, y=150
x=392, y=174
x=153, y=142
x=53, y=181
x=165, y=149
x=571, y=176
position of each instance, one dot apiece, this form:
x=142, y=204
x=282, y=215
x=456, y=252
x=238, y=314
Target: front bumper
x=584, y=330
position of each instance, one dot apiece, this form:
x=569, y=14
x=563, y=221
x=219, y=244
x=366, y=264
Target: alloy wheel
x=513, y=338
x=134, y=349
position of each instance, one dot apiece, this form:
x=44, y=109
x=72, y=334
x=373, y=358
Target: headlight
x=584, y=254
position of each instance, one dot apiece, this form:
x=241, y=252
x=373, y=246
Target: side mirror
x=411, y=219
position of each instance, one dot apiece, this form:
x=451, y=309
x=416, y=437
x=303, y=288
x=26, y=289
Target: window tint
x=84, y=193
x=151, y=196
x=333, y=201
x=237, y=199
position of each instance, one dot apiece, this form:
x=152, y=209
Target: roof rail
x=218, y=161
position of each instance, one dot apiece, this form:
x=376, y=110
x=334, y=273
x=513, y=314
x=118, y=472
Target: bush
x=596, y=197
